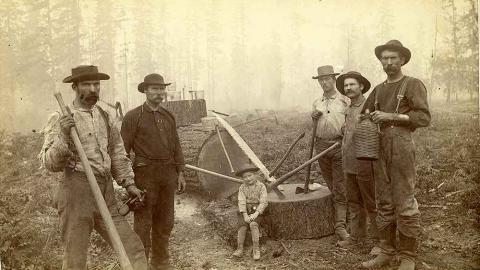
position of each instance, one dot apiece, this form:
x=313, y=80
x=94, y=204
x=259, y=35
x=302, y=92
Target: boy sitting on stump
x=252, y=201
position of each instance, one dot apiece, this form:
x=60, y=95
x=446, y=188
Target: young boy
x=359, y=174
x=252, y=201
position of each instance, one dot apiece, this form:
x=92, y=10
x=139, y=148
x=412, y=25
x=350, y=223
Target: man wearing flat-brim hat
x=150, y=131
x=359, y=174
x=399, y=105
x=104, y=149
x=330, y=112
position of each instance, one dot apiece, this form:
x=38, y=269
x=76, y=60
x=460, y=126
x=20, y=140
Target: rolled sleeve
x=418, y=102
x=55, y=150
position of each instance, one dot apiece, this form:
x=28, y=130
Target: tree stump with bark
x=298, y=216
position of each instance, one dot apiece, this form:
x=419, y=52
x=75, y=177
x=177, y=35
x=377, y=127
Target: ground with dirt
x=448, y=190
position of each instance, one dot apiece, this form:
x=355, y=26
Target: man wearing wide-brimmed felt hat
x=150, y=131
x=330, y=112
x=103, y=146
x=399, y=105
x=359, y=174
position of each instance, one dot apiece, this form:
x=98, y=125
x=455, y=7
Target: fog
x=238, y=55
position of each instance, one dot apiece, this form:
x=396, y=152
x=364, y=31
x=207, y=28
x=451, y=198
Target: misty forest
x=252, y=61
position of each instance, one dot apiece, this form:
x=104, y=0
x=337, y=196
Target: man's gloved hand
x=316, y=114
x=66, y=124
x=181, y=183
x=135, y=192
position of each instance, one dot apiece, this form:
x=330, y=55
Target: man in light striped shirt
x=104, y=149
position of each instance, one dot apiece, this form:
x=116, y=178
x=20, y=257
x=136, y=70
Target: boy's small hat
x=248, y=167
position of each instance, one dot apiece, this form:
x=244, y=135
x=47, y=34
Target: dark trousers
x=332, y=172
x=79, y=214
x=361, y=198
x=154, y=222
x=397, y=206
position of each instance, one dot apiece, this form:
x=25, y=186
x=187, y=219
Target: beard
x=391, y=69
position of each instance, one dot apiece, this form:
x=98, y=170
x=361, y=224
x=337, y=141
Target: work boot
x=242, y=232
x=407, y=264
x=407, y=250
x=379, y=261
x=349, y=243
x=255, y=240
x=387, y=243
x=341, y=221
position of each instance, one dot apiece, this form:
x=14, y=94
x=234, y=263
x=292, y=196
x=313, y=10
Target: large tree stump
x=187, y=112
x=300, y=216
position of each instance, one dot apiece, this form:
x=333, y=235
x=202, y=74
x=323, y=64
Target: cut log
x=299, y=216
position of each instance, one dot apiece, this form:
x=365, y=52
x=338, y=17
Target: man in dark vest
x=399, y=105
x=102, y=143
x=150, y=131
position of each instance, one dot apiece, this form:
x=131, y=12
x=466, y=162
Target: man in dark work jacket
x=398, y=116
x=150, y=131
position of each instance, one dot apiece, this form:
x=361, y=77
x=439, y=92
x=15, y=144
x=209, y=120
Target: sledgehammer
x=97, y=194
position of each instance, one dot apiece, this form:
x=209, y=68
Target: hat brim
x=251, y=169
x=360, y=78
x=86, y=77
x=403, y=50
x=141, y=86
x=324, y=75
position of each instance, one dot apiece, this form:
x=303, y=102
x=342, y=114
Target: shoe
x=256, y=253
x=238, y=253
x=379, y=261
x=375, y=251
x=342, y=234
x=349, y=243
x=407, y=264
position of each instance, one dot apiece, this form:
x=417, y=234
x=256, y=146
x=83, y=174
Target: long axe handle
x=222, y=176
x=224, y=149
x=97, y=194
x=299, y=168
x=287, y=153
x=310, y=155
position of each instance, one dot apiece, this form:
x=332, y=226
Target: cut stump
x=298, y=216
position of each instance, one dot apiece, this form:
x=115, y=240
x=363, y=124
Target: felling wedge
x=248, y=151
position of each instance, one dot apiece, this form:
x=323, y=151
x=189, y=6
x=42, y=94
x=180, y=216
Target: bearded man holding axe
x=82, y=207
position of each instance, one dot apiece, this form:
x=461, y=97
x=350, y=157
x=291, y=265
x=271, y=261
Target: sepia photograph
x=239, y=134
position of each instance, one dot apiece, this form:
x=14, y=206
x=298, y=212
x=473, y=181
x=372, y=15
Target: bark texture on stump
x=223, y=215
x=187, y=112
x=300, y=216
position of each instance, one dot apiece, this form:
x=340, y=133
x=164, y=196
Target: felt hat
x=150, y=79
x=248, y=167
x=355, y=75
x=84, y=73
x=325, y=71
x=393, y=45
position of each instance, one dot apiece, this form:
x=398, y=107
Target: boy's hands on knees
x=253, y=216
x=246, y=217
